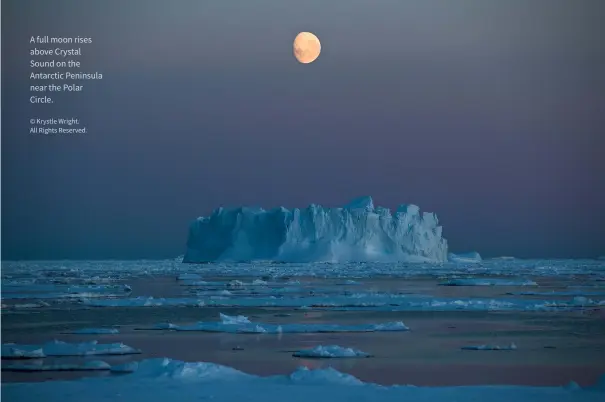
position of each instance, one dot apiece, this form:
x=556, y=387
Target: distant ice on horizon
x=472, y=257
x=357, y=232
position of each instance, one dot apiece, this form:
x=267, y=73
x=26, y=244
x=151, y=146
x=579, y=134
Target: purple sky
x=490, y=113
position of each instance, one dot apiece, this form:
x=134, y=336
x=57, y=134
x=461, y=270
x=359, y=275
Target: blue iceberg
x=357, y=232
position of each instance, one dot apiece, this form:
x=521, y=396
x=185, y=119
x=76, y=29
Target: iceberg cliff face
x=354, y=233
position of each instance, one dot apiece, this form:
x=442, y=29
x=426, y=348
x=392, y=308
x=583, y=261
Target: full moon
x=306, y=47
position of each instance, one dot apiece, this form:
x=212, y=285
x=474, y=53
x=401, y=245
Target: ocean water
x=551, y=310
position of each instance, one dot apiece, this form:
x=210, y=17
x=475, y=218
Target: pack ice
x=357, y=232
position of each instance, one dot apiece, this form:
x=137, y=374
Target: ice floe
x=512, y=346
x=378, y=302
x=144, y=301
x=562, y=293
x=160, y=380
x=350, y=282
x=25, y=306
x=106, y=272
x=488, y=282
x=327, y=376
x=94, y=331
x=87, y=366
x=331, y=351
x=21, y=291
x=464, y=258
x=228, y=319
x=189, y=277
x=129, y=367
x=58, y=348
x=242, y=325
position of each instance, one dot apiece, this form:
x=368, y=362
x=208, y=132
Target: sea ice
x=160, y=327
x=58, y=348
x=235, y=284
x=512, y=346
x=464, y=258
x=143, y=301
x=327, y=376
x=189, y=277
x=87, y=366
x=129, y=367
x=558, y=293
x=12, y=351
x=24, y=306
x=488, y=282
x=198, y=371
x=161, y=380
x=331, y=351
x=356, y=232
x=110, y=271
x=194, y=283
x=94, y=331
x=242, y=325
x=359, y=301
x=228, y=319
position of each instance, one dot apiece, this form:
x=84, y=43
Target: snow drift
x=354, y=233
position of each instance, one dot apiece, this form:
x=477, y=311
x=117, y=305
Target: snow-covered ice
x=94, y=331
x=129, y=367
x=58, y=348
x=160, y=380
x=356, y=232
x=489, y=282
x=241, y=324
x=379, y=302
x=107, y=272
x=86, y=366
x=236, y=320
x=144, y=301
x=12, y=351
x=24, y=306
x=35, y=290
x=330, y=351
x=472, y=257
x=189, y=277
x=554, y=293
x=512, y=346
x=565, y=285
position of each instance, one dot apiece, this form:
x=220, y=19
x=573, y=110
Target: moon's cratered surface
x=306, y=47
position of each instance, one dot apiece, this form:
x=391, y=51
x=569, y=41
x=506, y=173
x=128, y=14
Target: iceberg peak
x=357, y=232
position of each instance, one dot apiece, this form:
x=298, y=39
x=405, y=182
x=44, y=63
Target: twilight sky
x=490, y=113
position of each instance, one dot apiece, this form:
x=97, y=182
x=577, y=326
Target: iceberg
x=357, y=232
